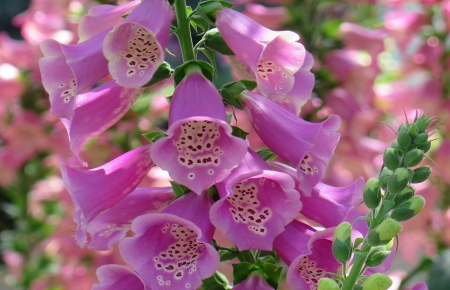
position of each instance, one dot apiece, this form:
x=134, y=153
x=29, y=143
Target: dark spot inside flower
x=170, y=267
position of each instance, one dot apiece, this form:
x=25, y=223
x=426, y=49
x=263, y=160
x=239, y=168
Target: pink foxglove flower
x=103, y=17
x=167, y=254
x=253, y=282
x=200, y=150
x=109, y=227
x=271, y=57
x=308, y=146
x=256, y=203
x=96, y=190
x=68, y=69
x=117, y=277
x=135, y=47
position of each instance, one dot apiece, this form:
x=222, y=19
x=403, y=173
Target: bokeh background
x=376, y=62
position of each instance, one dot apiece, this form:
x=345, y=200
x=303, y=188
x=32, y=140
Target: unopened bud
x=398, y=181
x=421, y=174
x=384, y=176
x=377, y=256
x=372, y=193
x=327, y=284
x=421, y=138
x=377, y=281
x=413, y=157
x=425, y=146
x=383, y=233
x=404, y=195
x=413, y=130
x=342, y=244
x=423, y=122
x=403, y=139
x=391, y=158
x=408, y=209
x=214, y=40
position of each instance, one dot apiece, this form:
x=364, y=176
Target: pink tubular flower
x=272, y=57
x=94, y=191
x=116, y=277
x=68, y=69
x=308, y=146
x=167, y=254
x=199, y=150
x=103, y=17
x=135, y=47
x=253, y=282
x=255, y=204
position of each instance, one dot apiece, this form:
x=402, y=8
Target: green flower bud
x=421, y=174
x=342, y=243
x=421, y=138
x=214, y=40
x=377, y=281
x=208, y=9
x=408, y=209
x=327, y=284
x=391, y=158
x=164, y=71
x=383, y=233
x=398, y=181
x=413, y=157
x=402, y=127
x=403, y=139
x=425, y=146
x=372, y=193
x=404, y=195
x=413, y=130
x=384, y=176
x=423, y=122
x=377, y=256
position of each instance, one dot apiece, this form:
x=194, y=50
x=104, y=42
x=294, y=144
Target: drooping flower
x=135, y=47
x=308, y=146
x=199, y=150
x=253, y=282
x=256, y=203
x=110, y=226
x=96, y=190
x=117, y=277
x=68, y=69
x=167, y=254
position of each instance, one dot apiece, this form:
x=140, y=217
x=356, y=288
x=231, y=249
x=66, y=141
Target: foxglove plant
x=220, y=185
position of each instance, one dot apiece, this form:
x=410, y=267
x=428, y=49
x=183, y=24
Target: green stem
x=358, y=264
x=184, y=31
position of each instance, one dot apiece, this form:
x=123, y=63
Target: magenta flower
x=255, y=204
x=96, y=190
x=308, y=146
x=95, y=111
x=253, y=282
x=109, y=227
x=135, y=47
x=200, y=150
x=116, y=277
x=274, y=57
x=68, y=69
x=103, y=17
x=167, y=254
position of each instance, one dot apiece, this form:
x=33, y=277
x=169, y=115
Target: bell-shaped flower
x=117, y=277
x=68, y=69
x=308, y=146
x=95, y=111
x=109, y=227
x=103, y=17
x=274, y=57
x=167, y=254
x=96, y=190
x=199, y=150
x=135, y=47
x=256, y=204
x=255, y=281
x=326, y=204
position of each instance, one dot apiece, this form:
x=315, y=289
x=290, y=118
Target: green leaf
x=180, y=71
x=266, y=154
x=238, y=132
x=242, y=270
x=197, y=20
x=210, y=55
x=179, y=189
x=227, y=255
x=153, y=136
x=272, y=274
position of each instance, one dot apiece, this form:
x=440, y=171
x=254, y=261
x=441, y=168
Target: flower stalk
x=184, y=31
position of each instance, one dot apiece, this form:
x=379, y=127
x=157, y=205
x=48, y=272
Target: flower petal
x=253, y=282
x=117, y=277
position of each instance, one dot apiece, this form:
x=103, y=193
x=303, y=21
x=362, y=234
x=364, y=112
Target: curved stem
x=184, y=31
x=355, y=272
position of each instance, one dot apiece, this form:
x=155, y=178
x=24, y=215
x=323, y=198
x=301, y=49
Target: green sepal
x=197, y=20
x=179, y=189
x=423, y=122
x=403, y=139
x=413, y=157
x=404, y=195
x=210, y=55
x=421, y=138
x=386, y=207
x=227, y=255
x=231, y=91
x=372, y=193
x=266, y=154
x=218, y=281
x=398, y=180
x=180, y=71
x=242, y=270
x=421, y=174
x=153, y=136
x=238, y=132
x=413, y=130
x=164, y=71
x=327, y=284
x=358, y=241
x=208, y=9
x=214, y=41
x=391, y=158
x=272, y=274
